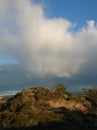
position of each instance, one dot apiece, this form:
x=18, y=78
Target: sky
x=44, y=42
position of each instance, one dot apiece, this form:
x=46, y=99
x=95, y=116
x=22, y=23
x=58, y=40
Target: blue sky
x=43, y=42
x=77, y=11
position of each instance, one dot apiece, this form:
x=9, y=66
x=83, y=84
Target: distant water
x=14, y=90
x=8, y=92
x=11, y=92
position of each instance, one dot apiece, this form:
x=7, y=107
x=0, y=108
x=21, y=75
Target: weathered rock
x=34, y=106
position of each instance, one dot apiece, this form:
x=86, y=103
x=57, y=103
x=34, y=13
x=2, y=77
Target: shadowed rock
x=42, y=108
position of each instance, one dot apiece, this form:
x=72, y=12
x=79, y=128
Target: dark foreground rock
x=44, y=109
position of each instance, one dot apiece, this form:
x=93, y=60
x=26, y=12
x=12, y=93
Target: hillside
x=41, y=108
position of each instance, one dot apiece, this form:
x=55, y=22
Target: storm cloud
x=45, y=46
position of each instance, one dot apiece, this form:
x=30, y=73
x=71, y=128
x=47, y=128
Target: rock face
x=71, y=105
x=34, y=106
x=29, y=107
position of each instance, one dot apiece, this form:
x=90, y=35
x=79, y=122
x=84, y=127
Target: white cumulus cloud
x=44, y=45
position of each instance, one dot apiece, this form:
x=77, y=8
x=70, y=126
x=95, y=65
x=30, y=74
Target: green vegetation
x=56, y=109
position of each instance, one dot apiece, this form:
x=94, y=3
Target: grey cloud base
x=43, y=46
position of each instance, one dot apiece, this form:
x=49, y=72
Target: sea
x=13, y=91
x=4, y=93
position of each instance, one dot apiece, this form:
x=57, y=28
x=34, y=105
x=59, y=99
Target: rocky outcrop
x=36, y=105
